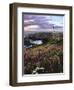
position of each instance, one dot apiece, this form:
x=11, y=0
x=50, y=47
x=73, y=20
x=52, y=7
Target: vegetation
x=44, y=58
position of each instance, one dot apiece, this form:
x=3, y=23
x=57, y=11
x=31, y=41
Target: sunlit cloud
x=28, y=21
x=31, y=28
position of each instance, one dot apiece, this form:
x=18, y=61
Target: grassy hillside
x=48, y=56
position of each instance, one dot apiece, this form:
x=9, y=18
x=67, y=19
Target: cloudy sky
x=42, y=22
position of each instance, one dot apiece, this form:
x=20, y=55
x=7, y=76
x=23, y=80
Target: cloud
x=43, y=22
x=31, y=27
x=28, y=21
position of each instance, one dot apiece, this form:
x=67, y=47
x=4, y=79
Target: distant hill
x=57, y=30
x=44, y=35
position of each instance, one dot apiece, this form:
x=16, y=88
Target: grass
x=49, y=56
